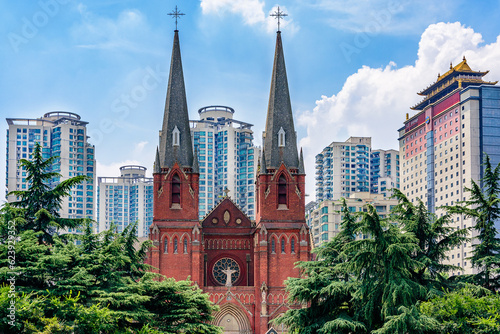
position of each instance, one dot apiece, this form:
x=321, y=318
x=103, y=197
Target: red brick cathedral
x=242, y=264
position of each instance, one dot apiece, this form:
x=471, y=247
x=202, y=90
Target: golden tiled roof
x=458, y=76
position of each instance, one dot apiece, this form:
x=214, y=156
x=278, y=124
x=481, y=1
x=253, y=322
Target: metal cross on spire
x=278, y=15
x=176, y=14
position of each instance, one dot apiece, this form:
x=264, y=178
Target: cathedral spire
x=157, y=164
x=280, y=139
x=302, y=170
x=175, y=139
x=263, y=167
x=196, y=164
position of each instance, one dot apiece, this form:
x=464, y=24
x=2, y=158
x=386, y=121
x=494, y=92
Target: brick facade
x=265, y=250
x=242, y=264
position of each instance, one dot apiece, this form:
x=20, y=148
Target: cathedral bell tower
x=280, y=179
x=281, y=236
x=175, y=230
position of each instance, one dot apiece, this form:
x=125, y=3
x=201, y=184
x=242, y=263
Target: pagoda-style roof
x=458, y=76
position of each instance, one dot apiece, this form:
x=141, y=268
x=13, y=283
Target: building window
x=293, y=245
x=176, y=137
x=176, y=189
x=281, y=138
x=185, y=245
x=165, y=245
x=175, y=245
x=283, y=245
x=220, y=268
x=282, y=190
x=273, y=245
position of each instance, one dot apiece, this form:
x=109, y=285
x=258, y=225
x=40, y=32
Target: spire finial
x=278, y=15
x=176, y=14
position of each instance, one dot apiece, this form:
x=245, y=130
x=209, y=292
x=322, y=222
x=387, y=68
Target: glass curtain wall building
x=227, y=159
x=384, y=171
x=125, y=200
x=62, y=134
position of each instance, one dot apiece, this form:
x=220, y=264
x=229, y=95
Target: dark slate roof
x=263, y=166
x=302, y=170
x=157, y=168
x=279, y=115
x=176, y=115
x=196, y=165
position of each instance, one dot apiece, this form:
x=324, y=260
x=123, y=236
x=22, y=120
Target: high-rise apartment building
x=344, y=168
x=325, y=218
x=62, y=134
x=384, y=171
x=125, y=200
x=443, y=144
x=227, y=159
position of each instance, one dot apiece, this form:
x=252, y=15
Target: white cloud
x=373, y=101
x=383, y=16
x=139, y=147
x=252, y=12
x=128, y=31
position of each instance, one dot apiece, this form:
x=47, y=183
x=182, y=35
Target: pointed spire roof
x=175, y=139
x=302, y=170
x=196, y=165
x=280, y=117
x=157, y=164
x=263, y=167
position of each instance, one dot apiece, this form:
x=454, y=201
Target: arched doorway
x=232, y=319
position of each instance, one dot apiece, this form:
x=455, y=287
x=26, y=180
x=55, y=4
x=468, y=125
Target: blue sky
x=354, y=67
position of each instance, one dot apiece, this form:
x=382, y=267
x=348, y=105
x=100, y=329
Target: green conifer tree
x=41, y=203
x=483, y=206
x=435, y=237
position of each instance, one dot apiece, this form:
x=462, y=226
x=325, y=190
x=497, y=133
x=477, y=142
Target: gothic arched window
x=273, y=245
x=176, y=189
x=175, y=245
x=165, y=245
x=282, y=190
x=185, y=245
x=293, y=245
x=282, y=245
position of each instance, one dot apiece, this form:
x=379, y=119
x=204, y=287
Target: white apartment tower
x=125, y=200
x=62, y=134
x=325, y=218
x=345, y=168
x=227, y=159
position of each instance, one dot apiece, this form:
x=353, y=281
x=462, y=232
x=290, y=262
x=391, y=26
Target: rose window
x=220, y=270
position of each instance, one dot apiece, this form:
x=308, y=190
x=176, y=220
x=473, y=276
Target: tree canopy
x=483, y=205
x=84, y=283
x=41, y=202
x=372, y=276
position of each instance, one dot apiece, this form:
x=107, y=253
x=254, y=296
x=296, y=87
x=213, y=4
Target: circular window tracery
x=219, y=270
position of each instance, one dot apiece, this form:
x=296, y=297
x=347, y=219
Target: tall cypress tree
x=435, y=237
x=483, y=206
